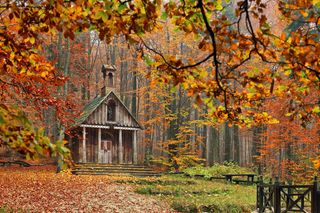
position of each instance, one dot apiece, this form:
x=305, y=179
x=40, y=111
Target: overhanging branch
x=172, y=66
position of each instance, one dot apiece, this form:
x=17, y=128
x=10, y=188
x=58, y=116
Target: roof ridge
x=92, y=105
x=135, y=119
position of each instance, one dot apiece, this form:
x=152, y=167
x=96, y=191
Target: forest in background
x=184, y=118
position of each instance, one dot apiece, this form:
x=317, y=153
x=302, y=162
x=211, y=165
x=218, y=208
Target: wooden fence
x=279, y=197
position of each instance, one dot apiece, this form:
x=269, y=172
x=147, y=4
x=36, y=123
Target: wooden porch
x=106, y=145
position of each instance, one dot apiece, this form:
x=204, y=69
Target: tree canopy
x=250, y=51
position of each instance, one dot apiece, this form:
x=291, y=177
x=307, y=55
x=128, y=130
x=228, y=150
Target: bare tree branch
x=172, y=66
x=216, y=62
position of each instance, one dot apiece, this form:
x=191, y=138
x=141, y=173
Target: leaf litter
x=40, y=189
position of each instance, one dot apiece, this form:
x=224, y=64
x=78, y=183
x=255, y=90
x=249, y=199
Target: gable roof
x=93, y=106
x=89, y=108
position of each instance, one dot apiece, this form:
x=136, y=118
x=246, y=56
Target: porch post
x=99, y=145
x=135, y=154
x=120, y=147
x=84, y=156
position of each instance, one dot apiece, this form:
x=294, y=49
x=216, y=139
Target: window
x=111, y=111
x=110, y=79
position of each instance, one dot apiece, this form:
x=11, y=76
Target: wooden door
x=106, y=151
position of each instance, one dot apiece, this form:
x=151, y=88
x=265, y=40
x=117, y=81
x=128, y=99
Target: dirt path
x=39, y=190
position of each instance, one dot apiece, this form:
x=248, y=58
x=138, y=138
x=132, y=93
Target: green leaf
x=2, y=121
x=102, y=15
x=148, y=60
x=64, y=149
x=28, y=156
x=121, y=7
x=265, y=27
x=173, y=89
x=164, y=16
x=302, y=89
x=39, y=149
x=254, y=72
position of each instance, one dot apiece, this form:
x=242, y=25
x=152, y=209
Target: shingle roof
x=89, y=108
x=94, y=104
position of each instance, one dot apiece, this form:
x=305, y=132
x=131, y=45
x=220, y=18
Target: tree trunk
x=215, y=145
x=236, y=144
x=134, y=88
x=66, y=66
x=227, y=143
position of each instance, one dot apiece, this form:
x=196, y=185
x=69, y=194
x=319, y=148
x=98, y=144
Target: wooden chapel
x=106, y=131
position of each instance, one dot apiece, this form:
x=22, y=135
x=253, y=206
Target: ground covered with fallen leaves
x=40, y=189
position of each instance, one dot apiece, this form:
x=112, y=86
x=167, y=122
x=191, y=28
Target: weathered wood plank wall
x=123, y=117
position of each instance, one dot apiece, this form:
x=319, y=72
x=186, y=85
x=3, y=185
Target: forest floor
x=40, y=189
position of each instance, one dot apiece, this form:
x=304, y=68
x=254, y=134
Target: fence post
x=257, y=194
x=277, y=196
x=315, y=197
x=270, y=191
x=288, y=201
x=260, y=194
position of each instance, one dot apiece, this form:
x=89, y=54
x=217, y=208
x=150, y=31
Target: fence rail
x=280, y=198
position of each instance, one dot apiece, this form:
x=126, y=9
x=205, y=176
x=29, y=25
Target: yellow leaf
x=44, y=74
x=250, y=95
x=316, y=109
x=32, y=40
x=314, y=2
x=288, y=72
x=23, y=70
x=188, y=28
x=12, y=55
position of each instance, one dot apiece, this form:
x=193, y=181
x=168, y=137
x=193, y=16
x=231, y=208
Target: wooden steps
x=113, y=169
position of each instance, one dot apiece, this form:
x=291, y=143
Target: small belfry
x=108, y=73
x=106, y=131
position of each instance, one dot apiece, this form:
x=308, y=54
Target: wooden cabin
x=106, y=131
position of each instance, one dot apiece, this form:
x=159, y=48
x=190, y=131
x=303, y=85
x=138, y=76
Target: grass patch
x=178, y=190
x=217, y=170
x=157, y=182
x=6, y=209
x=196, y=195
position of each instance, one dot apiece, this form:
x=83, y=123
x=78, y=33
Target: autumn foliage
x=288, y=149
x=241, y=59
